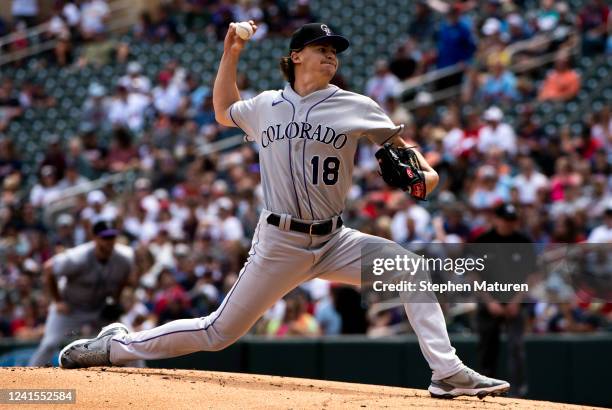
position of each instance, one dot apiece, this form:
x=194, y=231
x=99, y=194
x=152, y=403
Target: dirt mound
x=189, y=389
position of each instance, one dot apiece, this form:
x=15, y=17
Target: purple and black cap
x=105, y=229
x=317, y=32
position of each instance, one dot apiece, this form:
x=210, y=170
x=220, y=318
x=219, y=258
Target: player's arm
x=51, y=281
x=225, y=90
x=431, y=176
x=51, y=284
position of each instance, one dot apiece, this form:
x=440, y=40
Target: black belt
x=315, y=228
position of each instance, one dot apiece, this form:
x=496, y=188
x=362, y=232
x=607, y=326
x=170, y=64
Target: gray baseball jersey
x=307, y=145
x=89, y=282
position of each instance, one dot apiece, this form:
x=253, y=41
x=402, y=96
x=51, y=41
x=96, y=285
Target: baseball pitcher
x=307, y=135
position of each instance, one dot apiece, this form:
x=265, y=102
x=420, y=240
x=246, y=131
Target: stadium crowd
x=190, y=217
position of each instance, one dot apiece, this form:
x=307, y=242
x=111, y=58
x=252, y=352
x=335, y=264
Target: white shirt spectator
x=24, y=8
x=108, y=212
x=166, y=99
x=67, y=183
x=72, y=14
x=98, y=208
x=231, y=229
x=58, y=27
x=42, y=196
x=145, y=230
x=502, y=136
x=529, y=185
x=421, y=219
x=128, y=112
x=380, y=87
x=453, y=143
x=138, y=84
x=601, y=234
x=93, y=13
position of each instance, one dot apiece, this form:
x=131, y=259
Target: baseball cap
x=315, y=32
x=491, y=26
x=493, y=114
x=134, y=67
x=96, y=197
x=65, y=220
x=105, y=229
x=507, y=212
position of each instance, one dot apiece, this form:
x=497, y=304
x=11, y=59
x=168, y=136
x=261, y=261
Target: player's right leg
x=277, y=263
x=341, y=261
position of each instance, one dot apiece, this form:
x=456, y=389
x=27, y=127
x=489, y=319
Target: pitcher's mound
x=131, y=388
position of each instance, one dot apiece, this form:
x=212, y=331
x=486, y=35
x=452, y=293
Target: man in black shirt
x=492, y=314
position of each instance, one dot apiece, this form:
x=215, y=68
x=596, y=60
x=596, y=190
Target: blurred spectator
x=135, y=81
x=603, y=233
x=122, y=155
x=561, y=84
x=9, y=159
x=164, y=27
x=95, y=114
x=128, y=109
x=403, y=63
x=166, y=96
x=64, y=237
x=455, y=45
x=47, y=189
x=55, y=156
x=383, y=84
x=422, y=26
x=529, y=181
x=397, y=112
x=487, y=192
x=26, y=11
x=60, y=31
x=98, y=208
x=496, y=134
x=547, y=16
x=72, y=177
x=10, y=108
x=499, y=85
x=410, y=223
x=94, y=154
x=144, y=29
x=94, y=18
x=593, y=23
x=518, y=29
x=296, y=320
x=71, y=14
x=33, y=95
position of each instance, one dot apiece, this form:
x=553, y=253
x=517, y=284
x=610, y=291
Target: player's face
x=104, y=247
x=318, y=59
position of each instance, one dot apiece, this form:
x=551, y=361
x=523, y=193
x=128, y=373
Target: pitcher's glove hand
x=400, y=168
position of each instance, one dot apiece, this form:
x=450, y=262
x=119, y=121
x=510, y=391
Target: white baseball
x=244, y=30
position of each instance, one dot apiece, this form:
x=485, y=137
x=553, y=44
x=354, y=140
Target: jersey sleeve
x=245, y=115
x=377, y=125
x=65, y=264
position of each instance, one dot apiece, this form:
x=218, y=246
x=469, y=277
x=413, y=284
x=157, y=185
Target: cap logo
x=326, y=29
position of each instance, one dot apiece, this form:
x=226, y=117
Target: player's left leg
x=340, y=260
x=58, y=328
